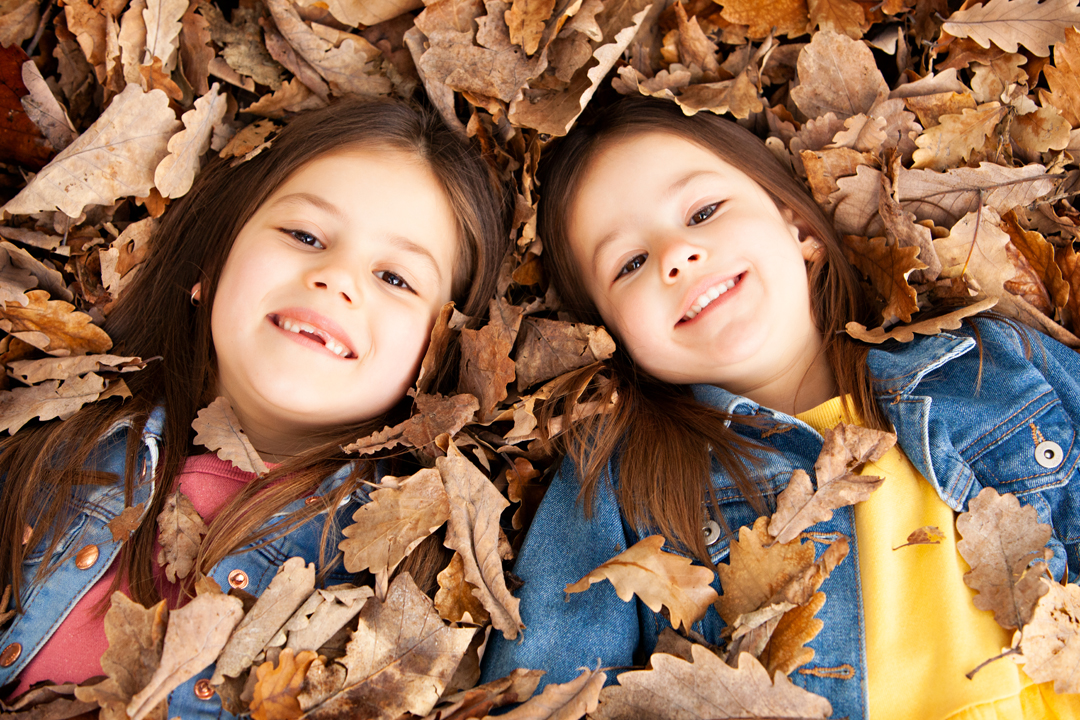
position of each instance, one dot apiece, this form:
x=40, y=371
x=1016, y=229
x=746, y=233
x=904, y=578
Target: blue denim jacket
x=960, y=434
x=46, y=604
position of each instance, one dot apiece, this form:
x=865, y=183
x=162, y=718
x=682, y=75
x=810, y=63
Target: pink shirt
x=73, y=653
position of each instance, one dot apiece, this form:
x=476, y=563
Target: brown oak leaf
x=480, y=700
x=946, y=197
x=1005, y=545
x=51, y=399
x=930, y=326
x=126, y=522
x=1011, y=23
x=845, y=450
x=1040, y=256
x=887, y=266
x=786, y=17
x=323, y=614
x=659, y=579
x=837, y=75
x=1063, y=77
x=1050, y=641
x=54, y=326
x=180, y=532
x=455, y=598
x=928, y=535
x=572, y=699
x=218, y=429
x=549, y=348
x=278, y=685
x=435, y=414
x=956, y=137
x=486, y=367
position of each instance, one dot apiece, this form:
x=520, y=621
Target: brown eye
x=631, y=265
x=703, y=214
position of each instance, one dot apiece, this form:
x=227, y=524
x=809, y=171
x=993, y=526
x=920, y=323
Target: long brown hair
x=154, y=318
x=664, y=439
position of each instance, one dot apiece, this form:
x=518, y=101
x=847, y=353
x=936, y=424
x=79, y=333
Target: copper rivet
x=204, y=690
x=26, y=533
x=85, y=558
x=10, y=654
x=312, y=499
x=238, y=579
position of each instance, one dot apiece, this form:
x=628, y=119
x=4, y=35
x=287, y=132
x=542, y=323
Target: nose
x=677, y=256
x=334, y=278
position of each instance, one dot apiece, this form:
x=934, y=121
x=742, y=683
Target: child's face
x=326, y=301
x=693, y=266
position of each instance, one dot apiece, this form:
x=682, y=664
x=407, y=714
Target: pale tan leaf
x=126, y=522
x=956, y=137
x=567, y=701
x=20, y=24
x=53, y=326
x=1063, y=77
x=975, y=250
x=218, y=429
x=176, y=172
x=399, y=659
x=367, y=12
x=845, y=450
x=125, y=254
x=43, y=108
x=928, y=535
x=1040, y=131
x=114, y=158
x=48, y=277
x=396, y=520
x=136, y=635
x=1012, y=23
x=180, y=533
x=195, y=636
x=931, y=326
x=278, y=685
x=51, y=399
x=322, y=615
x=478, y=701
x=1050, y=642
x=856, y=202
x=837, y=75
x=707, y=688
x=291, y=586
x=32, y=372
x=473, y=531
x=132, y=41
x=658, y=579
x=14, y=280
x=162, y=18
x=1005, y=545
x=946, y=197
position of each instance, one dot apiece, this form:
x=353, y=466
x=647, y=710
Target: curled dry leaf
x=278, y=685
x=196, y=634
x=845, y=450
x=176, y=172
x=549, y=348
x=114, y=158
x=51, y=399
x=659, y=579
x=322, y=615
x=1005, y=545
x=126, y=522
x=294, y=582
x=435, y=415
x=707, y=688
x=399, y=659
x=136, y=636
x=455, y=598
x=180, y=532
x=33, y=372
x=566, y=701
x=54, y=326
x=486, y=367
x=930, y=326
x=1050, y=641
x=396, y=520
x=481, y=700
x=473, y=531
x=929, y=535
x=975, y=249
x=218, y=429
x=887, y=266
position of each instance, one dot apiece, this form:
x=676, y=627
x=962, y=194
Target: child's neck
x=799, y=389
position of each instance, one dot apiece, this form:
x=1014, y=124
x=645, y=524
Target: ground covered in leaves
x=940, y=138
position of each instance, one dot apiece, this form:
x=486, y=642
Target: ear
x=809, y=245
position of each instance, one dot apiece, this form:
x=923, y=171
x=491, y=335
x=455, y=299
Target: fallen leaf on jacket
x=399, y=659
x=486, y=367
x=786, y=650
x=929, y=326
x=706, y=688
x=176, y=172
x=551, y=347
x=887, y=266
x=433, y=415
x=479, y=701
x=136, y=637
x=928, y=535
x=33, y=372
x=1012, y=23
x=394, y=522
x=845, y=450
x=48, y=400
x=1005, y=545
x=1050, y=641
x=279, y=685
x=196, y=634
x=218, y=429
x=54, y=326
x=571, y=699
x=473, y=531
x=456, y=600
x=126, y=522
x=114, y=158
x=291, y=586
x=180, y=533
x=51, y=702
x=322, y=615
x=658, y=579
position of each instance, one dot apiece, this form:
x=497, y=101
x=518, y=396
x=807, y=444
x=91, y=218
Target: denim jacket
x=46, y=604
x=1015, y=430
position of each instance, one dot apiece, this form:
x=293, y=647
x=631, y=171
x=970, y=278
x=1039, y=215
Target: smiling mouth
x=317, y=334
x=705, y=299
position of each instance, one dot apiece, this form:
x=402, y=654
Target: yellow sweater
x=923, y=632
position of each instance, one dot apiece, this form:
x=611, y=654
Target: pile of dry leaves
x=940, y=139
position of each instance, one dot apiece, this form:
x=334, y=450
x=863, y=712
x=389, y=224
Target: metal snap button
x=711, y=531
x=85, y=558
x=203, y=689
x=238, y=579
x=1048, y=454
x=10, y=654
x=312, y=500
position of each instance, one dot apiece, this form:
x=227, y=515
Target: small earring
x=195, y=291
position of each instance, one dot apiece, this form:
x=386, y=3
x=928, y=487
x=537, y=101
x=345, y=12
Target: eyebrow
x=399, y=241
x=671, y=189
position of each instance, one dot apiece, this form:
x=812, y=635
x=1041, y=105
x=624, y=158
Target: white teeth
x=295, y=326
x=707, y=297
